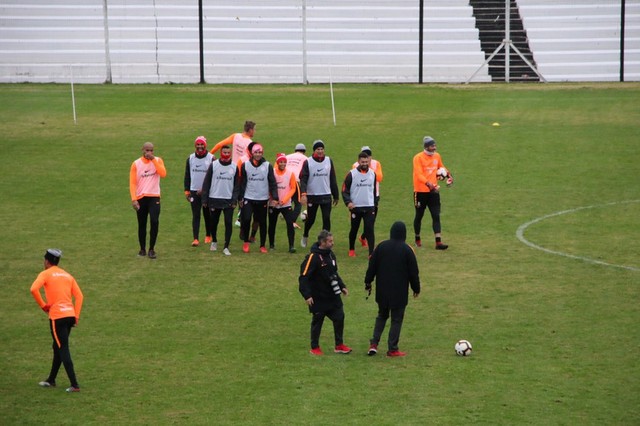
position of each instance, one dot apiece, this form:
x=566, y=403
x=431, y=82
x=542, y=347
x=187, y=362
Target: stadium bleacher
x=579, y=40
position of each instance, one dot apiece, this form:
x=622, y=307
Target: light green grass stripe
x=523, y=227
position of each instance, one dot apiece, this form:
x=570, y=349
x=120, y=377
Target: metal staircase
x=490, y=21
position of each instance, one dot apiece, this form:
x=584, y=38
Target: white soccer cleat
x=226, y=252
x=303, y=241
x=214, y=246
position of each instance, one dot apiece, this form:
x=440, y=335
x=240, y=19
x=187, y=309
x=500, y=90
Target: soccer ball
x=463, y=348
x=303, y=215
x=442, y=173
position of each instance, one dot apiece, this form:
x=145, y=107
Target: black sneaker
x=440, y=246
x=142, y=253
x=152, y=254
x=292, y=249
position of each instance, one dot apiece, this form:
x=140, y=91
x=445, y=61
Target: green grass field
x=195, y=337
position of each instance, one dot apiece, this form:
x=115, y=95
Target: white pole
x=507, y=40
x=333, y=105
x=305, y=78
x=73, y=97
x=107, y=54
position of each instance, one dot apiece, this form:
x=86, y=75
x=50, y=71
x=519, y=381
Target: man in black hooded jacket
x=394, y=266
x=321, y=287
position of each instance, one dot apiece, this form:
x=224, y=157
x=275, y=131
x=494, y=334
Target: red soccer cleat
x=373, y=349
x=395, y=353
x=342, y=349
x=316, y=351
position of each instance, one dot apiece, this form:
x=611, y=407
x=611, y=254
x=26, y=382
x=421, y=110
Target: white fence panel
x=296, y=41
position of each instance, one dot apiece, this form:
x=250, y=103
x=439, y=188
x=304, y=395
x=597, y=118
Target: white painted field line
x=523, y=227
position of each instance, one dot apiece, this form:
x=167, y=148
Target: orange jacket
x=59, y=288
x=425, y=168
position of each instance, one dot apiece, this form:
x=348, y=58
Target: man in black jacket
x=394, y=266
x=321, y=287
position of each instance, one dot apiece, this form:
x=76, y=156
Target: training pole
x=73, y=97
x=333, y=105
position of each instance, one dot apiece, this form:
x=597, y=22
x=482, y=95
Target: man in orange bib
x=144, y=188
x=60, y=290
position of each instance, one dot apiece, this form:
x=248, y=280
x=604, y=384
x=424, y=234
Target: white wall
x=39, y=41
x=295, y=41
x=250, y=41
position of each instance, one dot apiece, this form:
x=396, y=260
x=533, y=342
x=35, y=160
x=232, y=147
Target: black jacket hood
x=398, y=231
x=315, y=248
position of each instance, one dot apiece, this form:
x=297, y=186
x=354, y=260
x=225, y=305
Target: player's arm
x=206, y=184
x=293, y=183
x=375, y=189
x=226, y=141
x=162, y=171
x=333, y=184
x=413, y=271
x=243, y=182
x=78, y=299
x=379, y=175
x=35, y=292
x=133, y=181
x=187, y=179
x=236, y=188
x=346, y=189
x=304, y=177
x=273, y=185
x=307, y=268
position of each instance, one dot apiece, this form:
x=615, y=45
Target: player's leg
x=326, y=216
x=273, y=221
x=419, y=203
x=355, y=217
x=369, y=219
x=154, y=220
